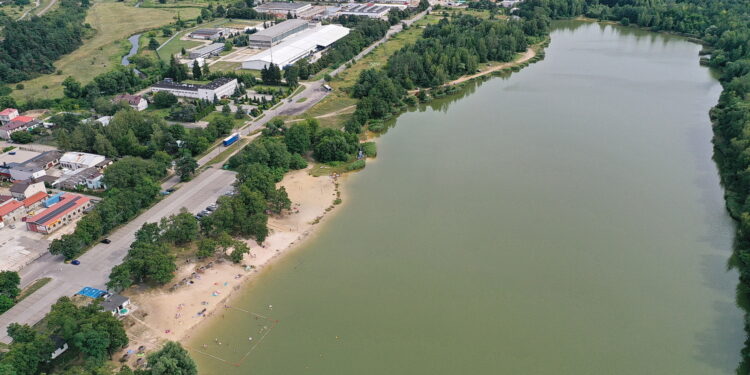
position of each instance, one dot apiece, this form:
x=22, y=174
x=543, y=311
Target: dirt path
x=329, y=114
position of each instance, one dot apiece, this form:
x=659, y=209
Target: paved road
x=98, y=261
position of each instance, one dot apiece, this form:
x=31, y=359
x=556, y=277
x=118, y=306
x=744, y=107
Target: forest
x=31, y=46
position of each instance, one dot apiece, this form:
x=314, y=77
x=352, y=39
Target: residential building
x=8, y=114
x=218, y=88
x=18, y=123
x=304, y=44
x=282, y=8
x=134, y=101
x=24, y=189
x=56, y=216
x=116, y=304
x=11, y=212
x=276, y=33
x=5, y=198
x=78, y=160
x=206, y=51
x=207, y=34
x=35, y=202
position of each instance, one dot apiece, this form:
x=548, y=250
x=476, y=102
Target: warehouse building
x=276, y=33
x=207, y=34
x=218, y=88
x=206, y=51
x=283, y=8
x=78, y=160
x=65, y=211
x=297, y=47
x=368, y=10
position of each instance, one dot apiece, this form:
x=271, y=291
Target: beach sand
x=160, y=314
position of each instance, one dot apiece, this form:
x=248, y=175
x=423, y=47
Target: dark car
x=171, y=190
x=106, y=241
x=75, y=262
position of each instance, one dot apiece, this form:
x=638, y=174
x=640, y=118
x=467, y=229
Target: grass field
x=114, y=22
x=339, y=98
x=225, y=66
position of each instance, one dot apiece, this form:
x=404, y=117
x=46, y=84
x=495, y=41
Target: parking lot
x=19, y=247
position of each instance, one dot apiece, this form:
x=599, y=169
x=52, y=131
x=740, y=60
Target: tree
x=153, y=44
x=225, y=110
x=172, y=359
x=239, y=251
x=22, y=137
x=206, y=248
x=291, y=75
x=239, y=113
x=9, y=281
x=179, y=229
x=297, y=138
x=228, y=45
x=164, y=99
x=206, y=71
x=196, y=70
x=278, y=200
x=274, y=127
x=185, y=167
x=183, y=52
x=72, y=88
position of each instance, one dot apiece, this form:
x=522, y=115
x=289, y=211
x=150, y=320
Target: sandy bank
x=161, y=314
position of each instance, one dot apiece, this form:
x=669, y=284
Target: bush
x=370, y=149
x=376, y=127
x=359, y=164
x=297, y=162
x=164, y=99
x=22, y=137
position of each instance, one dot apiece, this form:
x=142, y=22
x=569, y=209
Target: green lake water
x=566, y=219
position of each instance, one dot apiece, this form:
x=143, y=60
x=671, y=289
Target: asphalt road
x=97, y=263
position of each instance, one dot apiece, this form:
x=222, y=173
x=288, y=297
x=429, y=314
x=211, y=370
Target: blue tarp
x=92, y=292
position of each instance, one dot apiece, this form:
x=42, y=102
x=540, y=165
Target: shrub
x=370, y=149
x=359, y=164
x=297, y=162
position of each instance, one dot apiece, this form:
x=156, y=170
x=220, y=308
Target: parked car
x=106, y=241
x=171, y=190
x=164, y=193
x=75, y=262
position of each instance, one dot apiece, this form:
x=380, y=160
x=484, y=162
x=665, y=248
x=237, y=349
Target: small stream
x=134, y=45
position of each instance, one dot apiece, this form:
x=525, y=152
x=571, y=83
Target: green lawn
x=175, y=46
x=114, y=22
x=225, y=66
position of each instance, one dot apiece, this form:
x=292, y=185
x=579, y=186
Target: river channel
x=565, y=219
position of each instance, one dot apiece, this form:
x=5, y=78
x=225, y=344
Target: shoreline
x=160, y=314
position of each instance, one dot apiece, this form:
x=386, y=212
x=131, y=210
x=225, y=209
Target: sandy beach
x=161, y=314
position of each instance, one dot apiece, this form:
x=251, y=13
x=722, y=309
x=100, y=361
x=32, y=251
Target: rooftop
x=81, y=158
x=206, y=31
x=280, y=5
x=34, y=198
x=131, y=99
x=18, y=156
x=279, y=28
x=39, y=161
x=19, y=122
x=302, y=43
x=365, y=8
x=68, y=202
x=9, y=207
x=208, y=48
x=170, y=84
x=113, y=302
x=8, y=111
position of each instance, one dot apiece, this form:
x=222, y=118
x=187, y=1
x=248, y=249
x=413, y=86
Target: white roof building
x=77, y=160
x=297, y=47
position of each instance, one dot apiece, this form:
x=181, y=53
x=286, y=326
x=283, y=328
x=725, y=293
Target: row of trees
x=447, y=50
x=9, y=290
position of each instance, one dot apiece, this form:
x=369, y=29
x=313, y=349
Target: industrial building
x=78, y=160
x=63, y=212
x=282, y=8
x=33, y=168
x=368, y=10
x=218, y=88
x=297, y=47
x=206, y=51
x=276, y=33
x=207, y=34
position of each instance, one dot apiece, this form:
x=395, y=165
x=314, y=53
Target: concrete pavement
x=97, y=263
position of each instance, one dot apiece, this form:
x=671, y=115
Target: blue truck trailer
x=231, y=139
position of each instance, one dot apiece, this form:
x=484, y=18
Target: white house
x=8, y=114
x=134, y=101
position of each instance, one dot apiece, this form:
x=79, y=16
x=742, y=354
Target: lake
x=565, y=219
